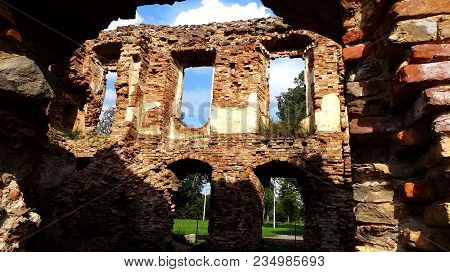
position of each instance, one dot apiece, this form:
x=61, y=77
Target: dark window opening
x=108, y=53
x=70, y=113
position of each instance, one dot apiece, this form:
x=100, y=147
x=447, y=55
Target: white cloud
x=138, y=19
x=216, y=11
x=283, y=71
x=110, y=99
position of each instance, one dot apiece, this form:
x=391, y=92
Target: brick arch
x=191, y=156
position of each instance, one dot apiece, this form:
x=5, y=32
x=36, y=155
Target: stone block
x=376, y=213
x=22, y=79
x=373, y=192
x=441, y=125
x=380, y=237
x=413, y=137
x=412, y=31
x=426, y=239
x=370, y=172
x=353, y=36
x=369, y=125
x=438, y=215
x=365, y=88
x=444, y=29
x=422, y=73
x=437, y=152
x=431, y=100
x=419, y=8
x=14, y=194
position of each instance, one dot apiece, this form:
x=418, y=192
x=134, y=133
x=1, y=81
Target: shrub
x=281, y=130
x=72, y=134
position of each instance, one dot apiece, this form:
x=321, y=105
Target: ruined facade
x=384, y=94
x=157, y=147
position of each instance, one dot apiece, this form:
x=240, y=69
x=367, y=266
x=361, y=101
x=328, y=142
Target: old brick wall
x=396, y=55
x=396, y=60
x=147, y=137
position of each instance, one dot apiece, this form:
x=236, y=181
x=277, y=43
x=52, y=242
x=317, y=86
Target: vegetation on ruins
x=72, y=134
x=292, y=109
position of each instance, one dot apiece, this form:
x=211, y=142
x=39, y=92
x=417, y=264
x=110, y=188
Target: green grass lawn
x=281, y=229
x=184, y=226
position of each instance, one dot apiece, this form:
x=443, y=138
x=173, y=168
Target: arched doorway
x=191, y=200
x=285, y=202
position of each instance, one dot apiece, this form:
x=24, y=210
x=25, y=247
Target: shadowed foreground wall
x=396, y=57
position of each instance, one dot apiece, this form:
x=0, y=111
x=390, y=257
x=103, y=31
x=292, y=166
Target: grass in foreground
x=281, y=229
x=186, y=226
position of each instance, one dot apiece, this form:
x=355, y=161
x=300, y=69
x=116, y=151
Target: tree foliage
x=292, y=110
x=189, y=199
x=106, y=121
x=292, y=103
x=289, y=203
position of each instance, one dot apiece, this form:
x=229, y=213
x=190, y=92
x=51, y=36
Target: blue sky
x=197, y=85
x=197, y=12
x=197, y=91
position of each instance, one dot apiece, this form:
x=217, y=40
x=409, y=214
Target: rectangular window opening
x=109, y=105
x=287, y=90
x=197, y=95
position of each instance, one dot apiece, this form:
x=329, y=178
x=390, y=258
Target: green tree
x=290, y=200
x=292, y=104
x=268, y=202
x=189, y=199
x=291, y=111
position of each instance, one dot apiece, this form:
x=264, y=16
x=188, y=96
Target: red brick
x=350, y=22
x=412, y=137
x=368, y=125
x=352, y=36
x=13, y=34
x=423, y=8
x=14, y=194
x=428, y=72
x=429, y=52
x=356, y=52
x=5, y=236
x=413, y=191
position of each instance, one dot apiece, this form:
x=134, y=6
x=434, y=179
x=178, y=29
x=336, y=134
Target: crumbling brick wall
x=147, y=137
x=396, y=56
x=396, y=60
